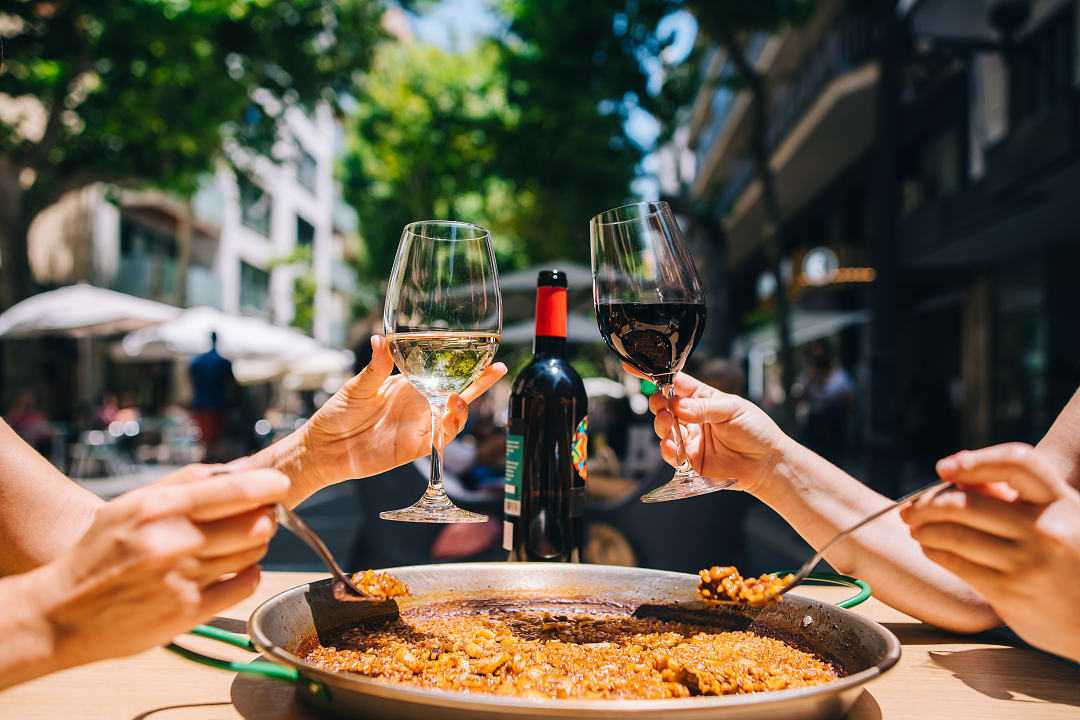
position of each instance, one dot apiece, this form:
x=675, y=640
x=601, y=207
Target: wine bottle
x=547, y=442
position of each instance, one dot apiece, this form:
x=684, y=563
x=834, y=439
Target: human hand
x=725, y=435
x=377, y=421
x=1012, y=531
x=154, y=562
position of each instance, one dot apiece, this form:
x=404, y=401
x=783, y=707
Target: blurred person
x=83, y=580
x=825, y=392
x=29, y=421
x=128, y=409
x=106, y=411
x=212, y=384
x=999, y=549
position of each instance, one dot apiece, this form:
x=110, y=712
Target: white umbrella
x=238, y=337
x=83, y=311
x=579, y=329
x=259, y=350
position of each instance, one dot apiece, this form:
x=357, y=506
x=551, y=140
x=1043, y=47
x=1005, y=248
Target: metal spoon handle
x=810, y=564
x=292, y=522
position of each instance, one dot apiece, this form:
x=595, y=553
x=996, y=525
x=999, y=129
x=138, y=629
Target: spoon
x=344, y=589
x=808, y=567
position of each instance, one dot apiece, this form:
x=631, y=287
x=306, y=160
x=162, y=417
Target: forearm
x=1061, y=444
x=42, y=512
x=819, y=500
x=290, y=456
x=26, y=636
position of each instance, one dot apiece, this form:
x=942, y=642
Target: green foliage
x=147, y=91
x=423, y=145
x=574, y=72
x=525, y=134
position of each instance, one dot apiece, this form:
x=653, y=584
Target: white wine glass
x=651, y=311
x=443, y=321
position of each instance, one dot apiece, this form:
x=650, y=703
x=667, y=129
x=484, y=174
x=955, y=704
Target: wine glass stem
x=435, y=481
x=668, y=391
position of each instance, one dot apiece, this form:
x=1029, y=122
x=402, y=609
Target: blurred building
x=253, y=231
x=925, y=157
x=265, y=236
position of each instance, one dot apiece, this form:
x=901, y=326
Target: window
x=147, y=262
x=255, y=206
x=254, y=290
x=306, y=169
x=1042, y=67
x=305, y=232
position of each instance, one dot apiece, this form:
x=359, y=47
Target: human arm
x=42, y=513
x=729, y=437
x=1061, y=444
x=1012, y=531
x=375, y=422
x=152, y=563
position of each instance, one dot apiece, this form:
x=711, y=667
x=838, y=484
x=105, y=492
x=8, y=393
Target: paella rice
x=540, y=655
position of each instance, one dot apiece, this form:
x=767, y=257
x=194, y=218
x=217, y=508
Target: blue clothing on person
x=210, y=377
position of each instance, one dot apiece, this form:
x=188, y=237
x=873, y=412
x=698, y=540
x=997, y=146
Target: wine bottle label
x=512, y=486
x=579, y=452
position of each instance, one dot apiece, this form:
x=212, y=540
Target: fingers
x=973, y=545
x=371, y=378
x=205, y=572
x=685, y=385
x=976, y=511
x=236, y=534
x=720, y=408
x=491, y=375
x=457, y=412
x=979, y=576
x=1016, y=464
x=226, y=593
x=662, y=424
x=211, y=498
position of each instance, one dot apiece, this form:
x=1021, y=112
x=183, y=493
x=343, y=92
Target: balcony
x=845, y=46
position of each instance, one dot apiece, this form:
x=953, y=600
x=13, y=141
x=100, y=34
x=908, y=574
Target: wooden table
x=939, y=676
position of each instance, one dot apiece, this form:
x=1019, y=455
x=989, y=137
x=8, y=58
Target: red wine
x=547, y=442
x=656, y=338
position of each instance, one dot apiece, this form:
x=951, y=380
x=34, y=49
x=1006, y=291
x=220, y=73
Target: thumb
x=720, y=408
x=371, y=378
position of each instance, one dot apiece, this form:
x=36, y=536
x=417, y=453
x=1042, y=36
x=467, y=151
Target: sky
x=457, y=25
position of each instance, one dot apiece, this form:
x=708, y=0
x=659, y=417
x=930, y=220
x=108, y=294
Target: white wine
x=442, y=363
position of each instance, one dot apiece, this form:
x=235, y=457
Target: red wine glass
x=651, y=311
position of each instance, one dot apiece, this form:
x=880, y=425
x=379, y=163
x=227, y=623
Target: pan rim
x=428, y=696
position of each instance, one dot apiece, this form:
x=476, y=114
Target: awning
x=82, y=311
x=259, y=350
x=578, y=277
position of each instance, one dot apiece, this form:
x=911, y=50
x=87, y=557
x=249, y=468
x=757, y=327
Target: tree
x=422, y=144
x=731, y=25
x=149, y=91
x=574, y=72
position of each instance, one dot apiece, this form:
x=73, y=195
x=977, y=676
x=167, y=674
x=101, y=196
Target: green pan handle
x=858, y=598
x=263, y=669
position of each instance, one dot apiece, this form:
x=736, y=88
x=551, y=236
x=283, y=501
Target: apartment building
x=925, y=161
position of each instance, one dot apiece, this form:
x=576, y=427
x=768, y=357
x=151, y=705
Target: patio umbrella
x=82, y=311
x=260, y=351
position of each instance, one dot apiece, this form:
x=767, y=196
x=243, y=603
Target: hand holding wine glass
x=651, y=310
x=443, y=321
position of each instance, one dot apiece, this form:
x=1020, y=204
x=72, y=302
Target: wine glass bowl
x=651, y=310
x=443, y=322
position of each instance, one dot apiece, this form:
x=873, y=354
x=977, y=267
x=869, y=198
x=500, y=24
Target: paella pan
x=286, y=626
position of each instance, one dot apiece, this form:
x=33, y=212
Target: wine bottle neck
x=550, y=321
x=548, y=345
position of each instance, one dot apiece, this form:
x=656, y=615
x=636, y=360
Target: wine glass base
x=685, y=484
x=433, y=508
